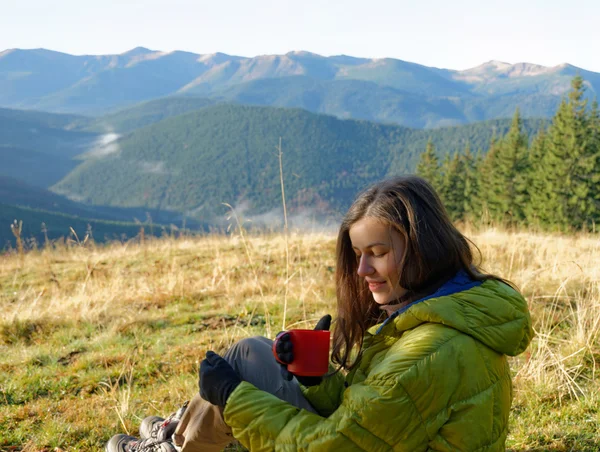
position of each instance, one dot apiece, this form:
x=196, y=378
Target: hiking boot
x=159, y=428
x=126, y=443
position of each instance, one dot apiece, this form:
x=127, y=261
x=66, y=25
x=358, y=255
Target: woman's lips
x=374, y=286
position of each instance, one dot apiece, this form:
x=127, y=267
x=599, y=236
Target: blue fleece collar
x=459, y=283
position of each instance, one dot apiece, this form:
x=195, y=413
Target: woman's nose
x=364, y=268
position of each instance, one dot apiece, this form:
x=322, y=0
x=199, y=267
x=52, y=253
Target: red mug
x=311, y=352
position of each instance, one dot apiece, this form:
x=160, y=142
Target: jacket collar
x=458, y=283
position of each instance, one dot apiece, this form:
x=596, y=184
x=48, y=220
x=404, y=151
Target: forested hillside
x=227, y=154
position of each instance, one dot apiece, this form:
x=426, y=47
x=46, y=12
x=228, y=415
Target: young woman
x=421, y=338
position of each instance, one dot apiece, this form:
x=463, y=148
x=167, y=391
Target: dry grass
x=94, y=338
x=103, y=284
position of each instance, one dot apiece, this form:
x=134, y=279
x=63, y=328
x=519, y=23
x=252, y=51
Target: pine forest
x=551, y=182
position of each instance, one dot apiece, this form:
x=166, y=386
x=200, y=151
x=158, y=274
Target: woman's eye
x=358, y=256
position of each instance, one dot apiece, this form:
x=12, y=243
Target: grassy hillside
x=93, y=339
x=227, y=154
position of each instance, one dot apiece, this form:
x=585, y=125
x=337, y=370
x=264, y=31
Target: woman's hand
x=285, y=352
x=217, y=379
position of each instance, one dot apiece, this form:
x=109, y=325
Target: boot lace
x=148, y=445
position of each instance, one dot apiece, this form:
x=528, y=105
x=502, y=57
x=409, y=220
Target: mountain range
x=114, y=141
x=384, y=90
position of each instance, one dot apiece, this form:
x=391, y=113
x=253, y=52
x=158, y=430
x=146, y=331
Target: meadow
x=93, y=338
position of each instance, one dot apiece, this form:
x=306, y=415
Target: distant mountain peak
x=494, y=69
x=304, y=53
x=39, y=52
x=496, y=64
x=565, y=66
x=137, y=51
x=216, y=58
x=489, y=66
x=6, y=52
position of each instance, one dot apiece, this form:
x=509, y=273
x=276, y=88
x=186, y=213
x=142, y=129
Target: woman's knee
x=249, y=346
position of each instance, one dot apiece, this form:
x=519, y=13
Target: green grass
x=88, y=354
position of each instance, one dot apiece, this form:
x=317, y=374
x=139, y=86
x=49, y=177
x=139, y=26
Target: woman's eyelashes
x=372, y=254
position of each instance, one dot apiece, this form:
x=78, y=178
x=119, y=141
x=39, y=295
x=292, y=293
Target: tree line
x=551, y=182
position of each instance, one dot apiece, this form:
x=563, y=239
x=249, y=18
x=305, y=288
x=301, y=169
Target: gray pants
x=202, y=428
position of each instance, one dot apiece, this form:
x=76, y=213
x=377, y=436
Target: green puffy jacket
x=434, y=376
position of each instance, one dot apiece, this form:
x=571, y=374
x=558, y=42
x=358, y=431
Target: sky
x=457, y=34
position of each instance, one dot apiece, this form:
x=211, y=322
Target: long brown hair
x=435, y=251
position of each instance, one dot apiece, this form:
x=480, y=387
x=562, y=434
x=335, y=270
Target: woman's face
x=379, y=249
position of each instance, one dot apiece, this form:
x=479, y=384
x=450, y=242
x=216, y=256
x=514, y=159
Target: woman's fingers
x=212, y=357
x=284, y=344
x=285, y=357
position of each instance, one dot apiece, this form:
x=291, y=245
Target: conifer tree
x=453, y=186
x=444, y=179
x=429, y=166
x=472, y=195
x=594, y=156
x=489, y=204
x=570, y=162
x=508, y=182
x=538, y=208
